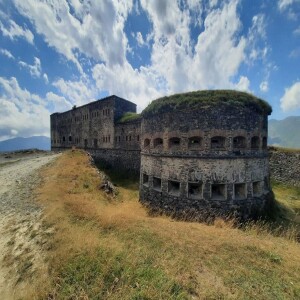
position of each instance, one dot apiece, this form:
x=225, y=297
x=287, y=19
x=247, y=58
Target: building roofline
x=108, y=98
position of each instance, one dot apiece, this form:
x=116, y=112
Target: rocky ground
x=22, y=232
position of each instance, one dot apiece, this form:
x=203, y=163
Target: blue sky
x=58, y=53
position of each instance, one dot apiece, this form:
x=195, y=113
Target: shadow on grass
x=126, y=179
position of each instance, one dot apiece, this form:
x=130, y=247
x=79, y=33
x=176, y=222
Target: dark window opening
x=257, y=188
x=146, y=143
x=218, y=191
x=145, y=179
x=126, y=138
x=130, y=138
x=240, y=191
x=158, y=142
x=64, y=139
x=174, y=142
x=264, y=143
x=85, y=143
x=95, y=143
x=194, y=142
x=239, y=142
x=195, y=190
x=218, y=142
x=138, y=138
x=255, y=142
x=70, y=138
x=174, y=187
x=157, y=183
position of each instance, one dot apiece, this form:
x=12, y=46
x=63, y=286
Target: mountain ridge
x=21, y=143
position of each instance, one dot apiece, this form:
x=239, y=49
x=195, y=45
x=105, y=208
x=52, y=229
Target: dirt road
x=21, y=241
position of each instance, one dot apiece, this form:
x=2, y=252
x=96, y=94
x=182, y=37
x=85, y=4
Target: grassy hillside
x=109, y=248
x=285, y=132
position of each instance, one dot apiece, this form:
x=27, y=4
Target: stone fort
x=202, y=153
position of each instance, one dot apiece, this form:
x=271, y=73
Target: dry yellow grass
x=106, y=248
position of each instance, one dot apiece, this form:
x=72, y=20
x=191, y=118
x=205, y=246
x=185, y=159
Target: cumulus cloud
x=13, y=31
x=7, y=53
x=291, y=98
x=96, y=28
x=24, y=113
x=21, y=111
x=35, y=70
x=78, y=92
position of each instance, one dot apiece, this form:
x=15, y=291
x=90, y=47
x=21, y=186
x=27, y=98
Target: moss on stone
x=129, y=116
x=207, y=98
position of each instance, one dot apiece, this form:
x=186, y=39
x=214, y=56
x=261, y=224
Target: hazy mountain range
x=19, y=143
x=284, y=133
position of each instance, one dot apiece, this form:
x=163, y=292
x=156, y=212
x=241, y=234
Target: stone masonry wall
x=285, y=166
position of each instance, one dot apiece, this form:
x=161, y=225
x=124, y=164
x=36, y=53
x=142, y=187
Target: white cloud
x=7, y=53
x=24, y=113
x=295, y=53
x=297, y=31
x=284, y=4
x=45, y=76
x=14, y=31
x=78, y=92
x=96, y=28
x=140, y=86
x=291, y=98
x=59, y=103
x=139, y=39
x=21, y=111
x=35, y=70
x=243, y=84
x=264, y=86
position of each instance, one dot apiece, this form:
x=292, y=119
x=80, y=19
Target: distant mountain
x=19, y=143
x=285, y=133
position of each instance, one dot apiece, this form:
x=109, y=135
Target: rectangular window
x=157, y=183
x=240, y=191
x=174, y=187
x=195, y=190
x=257, y=188
x=218, y=191
x=145, y=179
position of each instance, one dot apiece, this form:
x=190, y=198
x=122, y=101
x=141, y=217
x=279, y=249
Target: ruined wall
x=285, y=166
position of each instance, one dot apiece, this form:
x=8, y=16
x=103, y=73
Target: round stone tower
x=205, y=154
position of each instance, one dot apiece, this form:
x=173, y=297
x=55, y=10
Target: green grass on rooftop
x=197, y=99
x=129, y=116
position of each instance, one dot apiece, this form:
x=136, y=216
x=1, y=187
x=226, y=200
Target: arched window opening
x=70, y=138
x=217, y=142
x=174, y=142
x=255, y=142
x=158, y=142
x=239, y=142
x=195, y=142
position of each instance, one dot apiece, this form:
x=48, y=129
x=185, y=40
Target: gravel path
x=21, y=240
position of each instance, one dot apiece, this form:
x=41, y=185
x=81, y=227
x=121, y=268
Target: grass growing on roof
x=197, y=99
x=129, y=116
